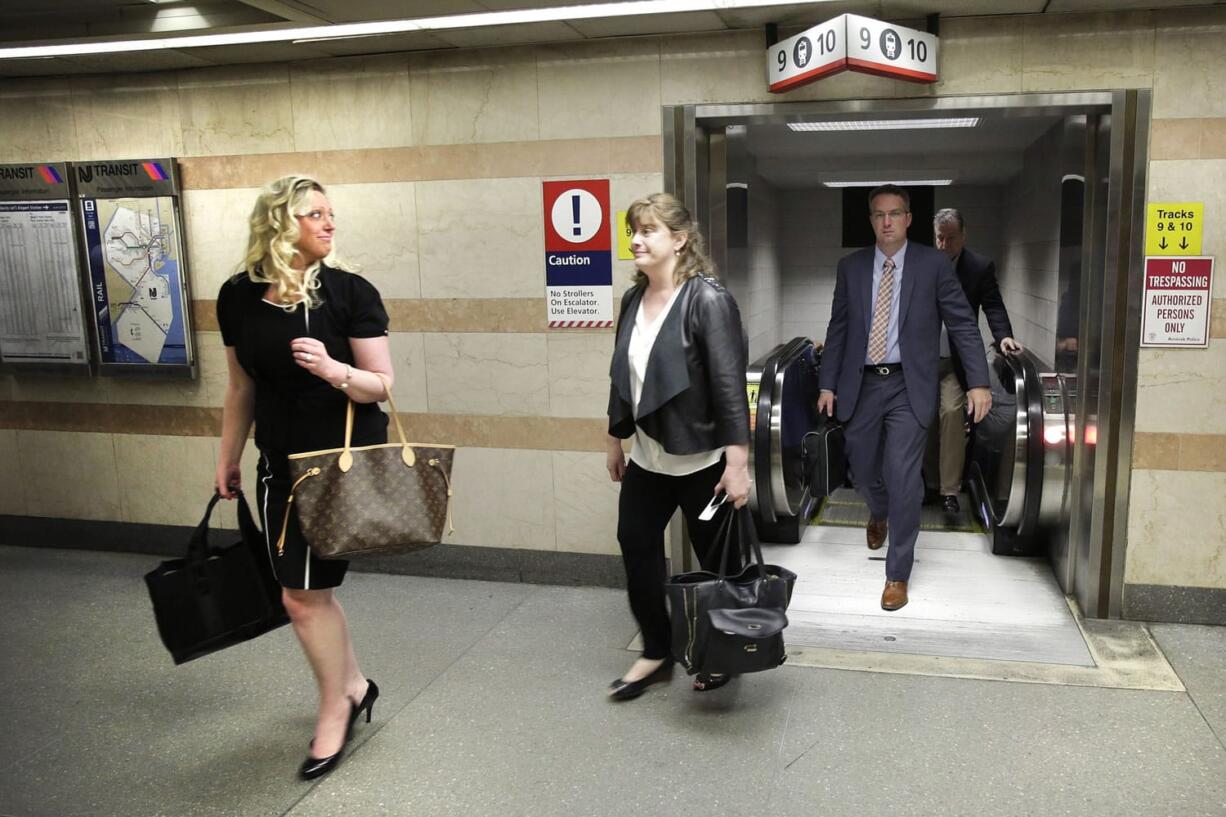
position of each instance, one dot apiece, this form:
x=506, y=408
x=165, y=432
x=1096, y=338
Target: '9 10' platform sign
x=851, y=42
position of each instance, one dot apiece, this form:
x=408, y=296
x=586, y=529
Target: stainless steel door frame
x=1100, y=513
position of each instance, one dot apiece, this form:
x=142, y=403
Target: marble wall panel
x=235, y=109
x=377, y=231
x=1072, y=51
x=1202, y=180
x=1182, y=390
x=475, y=96
x=363, y=102
x=980, y=55
x=12, y=482
x=503, y=498
x=579, y=373
x=409, y=364
x=599, y=89
x=128, y=116
x=586, y=503
x=38, y=123
x=481, y=239
x=164, y=480
x=69, y=475
x=1187, y=41
x=51, y=388
x=625, y=188
x=157, y=391
x=214, y=368
x=215, y=224
x=1175, y=521
x=481, y=373
x=729, y=66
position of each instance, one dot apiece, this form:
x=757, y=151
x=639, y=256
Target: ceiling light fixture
x=886, y=124
x=899, y=182
x=633, y=8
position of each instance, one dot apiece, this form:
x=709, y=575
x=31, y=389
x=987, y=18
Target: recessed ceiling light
x=899, y=182
x=630, y=8
x=886, y=124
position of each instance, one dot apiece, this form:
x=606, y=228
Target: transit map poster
x=136, y=284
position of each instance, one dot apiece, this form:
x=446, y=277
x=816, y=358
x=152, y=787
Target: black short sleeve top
x=295, y=410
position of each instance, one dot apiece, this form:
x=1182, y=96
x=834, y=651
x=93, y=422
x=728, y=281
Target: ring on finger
x=308, y=357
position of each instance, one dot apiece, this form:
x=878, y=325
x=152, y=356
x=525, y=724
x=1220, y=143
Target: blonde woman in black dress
x=303, y=336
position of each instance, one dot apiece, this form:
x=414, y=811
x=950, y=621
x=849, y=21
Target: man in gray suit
x=879, y=367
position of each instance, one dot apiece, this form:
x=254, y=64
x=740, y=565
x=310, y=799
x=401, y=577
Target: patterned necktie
x=881, y=313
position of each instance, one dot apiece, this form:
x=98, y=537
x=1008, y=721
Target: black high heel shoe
x=314, y=767
x=621, y=690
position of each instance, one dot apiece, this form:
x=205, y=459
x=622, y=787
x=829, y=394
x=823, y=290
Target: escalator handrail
x=1028, y=394
x=1028, y=364
x=764, y=437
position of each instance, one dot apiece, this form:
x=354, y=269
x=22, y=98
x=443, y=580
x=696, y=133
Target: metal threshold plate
x=970, y=614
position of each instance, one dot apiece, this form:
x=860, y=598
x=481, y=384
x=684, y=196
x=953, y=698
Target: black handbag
x=825, y=458
x=731, y=624
x=215, y=597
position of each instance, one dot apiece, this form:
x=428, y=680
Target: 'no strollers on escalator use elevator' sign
x=578, y=254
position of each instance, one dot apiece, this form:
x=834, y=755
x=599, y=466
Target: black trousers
x=648, y=500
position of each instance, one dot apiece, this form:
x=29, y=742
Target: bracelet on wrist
x=344, y=384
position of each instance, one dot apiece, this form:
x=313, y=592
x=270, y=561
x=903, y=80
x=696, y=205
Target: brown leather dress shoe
x=894, y=596
x=875, y=532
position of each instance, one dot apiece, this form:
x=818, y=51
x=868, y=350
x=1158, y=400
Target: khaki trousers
x=946, y=454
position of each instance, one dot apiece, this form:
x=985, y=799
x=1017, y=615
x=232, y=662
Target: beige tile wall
x=438, y=159
x=1175, y=519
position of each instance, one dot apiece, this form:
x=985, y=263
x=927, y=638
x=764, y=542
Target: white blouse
x=646, y=452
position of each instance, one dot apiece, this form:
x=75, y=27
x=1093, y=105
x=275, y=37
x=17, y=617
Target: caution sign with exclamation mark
x=578, y=254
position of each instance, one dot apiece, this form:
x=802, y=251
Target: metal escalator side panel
x=1057, y=451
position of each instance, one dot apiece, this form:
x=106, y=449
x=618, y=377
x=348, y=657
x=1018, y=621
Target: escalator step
x=844, y=508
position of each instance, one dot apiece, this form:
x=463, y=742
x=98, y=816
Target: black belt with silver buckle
x=884, y=369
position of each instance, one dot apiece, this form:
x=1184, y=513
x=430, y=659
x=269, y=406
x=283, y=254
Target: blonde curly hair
x=273, y=237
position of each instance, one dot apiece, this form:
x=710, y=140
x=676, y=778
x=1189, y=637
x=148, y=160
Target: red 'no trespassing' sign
x=1177, y=296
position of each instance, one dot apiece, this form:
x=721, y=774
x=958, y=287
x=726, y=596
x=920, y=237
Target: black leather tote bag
x=215, y=597
x=731, y=624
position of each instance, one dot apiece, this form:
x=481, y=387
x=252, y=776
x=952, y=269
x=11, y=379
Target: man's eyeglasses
x=895, y=215
x=318, y=216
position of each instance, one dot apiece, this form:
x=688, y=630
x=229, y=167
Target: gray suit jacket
x=930, y=294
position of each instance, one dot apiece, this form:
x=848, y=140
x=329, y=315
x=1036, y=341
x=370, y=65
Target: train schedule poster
x=42, y=317
x=137, y=277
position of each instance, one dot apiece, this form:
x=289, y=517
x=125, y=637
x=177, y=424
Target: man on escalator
x=880, y=365
x=977, y=274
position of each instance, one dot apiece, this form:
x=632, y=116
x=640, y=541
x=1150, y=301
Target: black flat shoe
x=314, y=767
x=621, y=690
x=707, y=681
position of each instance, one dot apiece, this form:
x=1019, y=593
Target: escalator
x=1019, y=459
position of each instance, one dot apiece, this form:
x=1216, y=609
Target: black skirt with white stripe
x=296, y=566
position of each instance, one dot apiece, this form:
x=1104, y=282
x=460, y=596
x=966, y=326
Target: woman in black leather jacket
x=678, y=391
